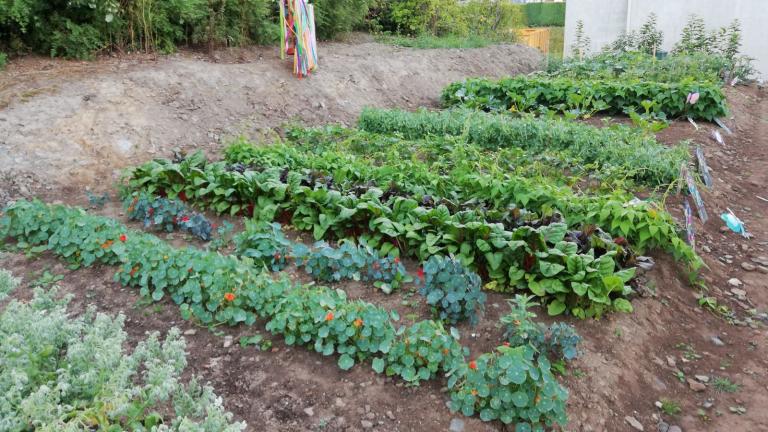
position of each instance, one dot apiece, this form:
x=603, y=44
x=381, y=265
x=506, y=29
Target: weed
x=46, y=279
x=670, y=407
x=725, y=385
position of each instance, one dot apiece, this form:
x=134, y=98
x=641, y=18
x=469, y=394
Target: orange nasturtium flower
x=474, y=392
x=473, y=365
x=329, y=316
x=358, y=323
x=229, y=297
x=107, y=244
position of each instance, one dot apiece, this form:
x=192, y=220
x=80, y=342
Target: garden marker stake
x=689, y=229
x=297, y=37
x=703, y=168
x=694, y=191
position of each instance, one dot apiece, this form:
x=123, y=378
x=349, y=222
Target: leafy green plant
x=104, y=386
x=559, y=342
x=421, y=351
x=586, y=97
x=3, y=60
x=167, y=214
x=454, y=293
x=265, y=243
x=512, y=385
x=8, y=283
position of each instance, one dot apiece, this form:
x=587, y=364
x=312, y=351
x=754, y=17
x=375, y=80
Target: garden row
x=512, y=384
x=574, y=271
x=583, y=98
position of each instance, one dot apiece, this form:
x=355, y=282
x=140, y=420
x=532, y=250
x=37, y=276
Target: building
x=605, y=20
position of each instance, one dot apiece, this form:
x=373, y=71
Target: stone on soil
x=457, y=425
x=634, y=423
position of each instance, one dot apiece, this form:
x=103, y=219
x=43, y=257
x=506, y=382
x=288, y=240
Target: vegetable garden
x=506, y=190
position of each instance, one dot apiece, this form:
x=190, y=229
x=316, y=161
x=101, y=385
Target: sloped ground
x=71, y=125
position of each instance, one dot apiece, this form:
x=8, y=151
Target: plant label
x=703, y=168
x=690, y=231
x=694, y=191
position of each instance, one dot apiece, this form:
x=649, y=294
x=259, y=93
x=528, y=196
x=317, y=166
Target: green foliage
x=639, y=66
x=587, y=97
x=638, y=155
x=491, y=20
x=265, y=243
x=438, y=42
x=8, y=283
x=454, y=293
x=422, y=350
x=82, y=28
x=670, y=407
x=167, y=214
x=559, y=342
x=649, y=36
x=218, y=289
x=725, y=385
x=545, y=14
x=60, y=373
x=512, y=385
x=330, y=208
x=3, y=60
x=582, y=42
x=339, y=16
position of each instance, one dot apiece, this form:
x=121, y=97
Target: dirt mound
x=76, y=123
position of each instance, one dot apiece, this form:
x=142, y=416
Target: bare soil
x=68, y=126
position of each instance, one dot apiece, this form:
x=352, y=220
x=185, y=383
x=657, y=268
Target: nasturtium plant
x=265, y=243
x=512, y=385
x=167, y=214
x=454, y=292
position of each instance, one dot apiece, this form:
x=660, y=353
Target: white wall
x=604, y=20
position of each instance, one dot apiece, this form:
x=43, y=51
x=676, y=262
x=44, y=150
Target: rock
x=366, y=424
x=190, y=332
x=658, y=404
x=739, y=292
x=671, y=362
x=735, y=282
x=696, y=386
x=228, y=341
x=309, y=411
x=762, y=269
x=748, y=267
x=717, y=341
x=340, y=403
x=634, y=423
x=702, y=378
x=663, y=426
x=390, y=415
x=457, y=425
x=370, y=416
x=706, y=249
x=674, y=429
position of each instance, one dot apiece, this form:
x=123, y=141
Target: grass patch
x=725, y=385
x=670, y=407
x=449, y=41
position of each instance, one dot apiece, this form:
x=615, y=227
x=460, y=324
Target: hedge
x=545, y=14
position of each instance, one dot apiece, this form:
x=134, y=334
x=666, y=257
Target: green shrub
x=339, y=16
x=81, y=28
x=61, y=373
x=8, y=283
x=493, y=19
x=3, y=60
x=545, y=14
x=587, y=97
